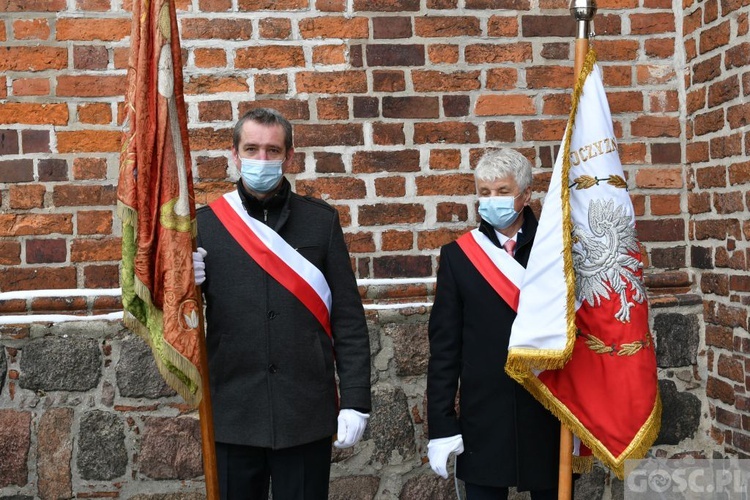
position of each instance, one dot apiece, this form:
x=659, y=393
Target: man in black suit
x=503, y=437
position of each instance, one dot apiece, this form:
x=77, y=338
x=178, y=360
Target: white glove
x=199, y=267
x=438, y=451
x=351, y=427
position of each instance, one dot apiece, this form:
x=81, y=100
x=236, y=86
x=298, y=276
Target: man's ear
x=287, y=160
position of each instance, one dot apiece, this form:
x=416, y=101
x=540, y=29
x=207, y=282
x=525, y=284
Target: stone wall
x=85, y=413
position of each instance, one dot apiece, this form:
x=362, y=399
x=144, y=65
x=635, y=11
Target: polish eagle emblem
x=603, y=258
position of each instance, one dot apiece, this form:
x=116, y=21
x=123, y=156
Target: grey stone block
x=677, y=338
x=590, y=486
x=58, y=364
x=429, y=486
x=101, y=446
x=354, y=488
x=390, y=425
x=411, y=347
x=681, y=414
x=137, y=374
x=171, y=448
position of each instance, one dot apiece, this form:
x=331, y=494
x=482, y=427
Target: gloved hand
x=438, y=451
x=351, y=427
x=199, y=267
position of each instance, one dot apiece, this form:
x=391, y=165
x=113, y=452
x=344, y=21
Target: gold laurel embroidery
x=586, y=182
x=629, y=349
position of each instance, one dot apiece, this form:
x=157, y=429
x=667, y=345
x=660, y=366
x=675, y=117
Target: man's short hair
x=504, y=162
x=263, y=116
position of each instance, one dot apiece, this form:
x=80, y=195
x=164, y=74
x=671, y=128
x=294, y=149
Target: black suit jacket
x=271, y=364
x=509, y=438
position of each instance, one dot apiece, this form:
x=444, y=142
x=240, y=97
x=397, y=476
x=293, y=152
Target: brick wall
x=717, y=49
x=393, y=102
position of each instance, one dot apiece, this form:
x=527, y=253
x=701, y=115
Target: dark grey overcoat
x=271, y=364
x=509, y=438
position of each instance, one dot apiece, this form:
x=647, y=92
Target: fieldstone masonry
x=108, y=427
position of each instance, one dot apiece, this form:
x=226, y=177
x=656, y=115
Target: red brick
x=617, y=76
x=73, y=195
x=89, y=250
x=456, y=105
x=384, y=134
x=430, y=240
x=329, y=54
x=395, y=55
x=719, y=336
x=663, y=101
x=500, y=131
x=737, y=56
x=402, y=265
x=446, y=26
x=386, y=5
x=332, y=82
x=543, y=130
x=40, y=278
x=334, y=108
x=718, y=389
x=716, y=229
x=210, y=111
x=723, y=91
x=359, y=242
x=271, y=84
x=738, y=116
x=503, y=105
x=445, y=185
x=388, y=81
x=90, y=168
x=655, y=126
x=661, y=230
x=329, y=135
x=210, y=84
x=212, y=28
x=709, y=177
x=209, y=58
x=52, y=169
x=445, y=132
x=94, y=5
x=659, y=178
x=714, y=283
x=724, y=146
x=548, y=26
x=390, y=187
x=739, y=283
x=452, y=212
x=443, y=53
x=617, y=50
x=727, y=203
x=95, y=113
x=10, y=253
x=33, y=113
x=275, y=28
x=502, y=78
x=385, y=214
x=715, y=37
x=58, y=304
x=436, y=81
x=40, y=58
x=385, y=161
x=391, y=241
x=498, y=53
x=31, y=87
x=623, y=102
x=365, y=107
x=292, y=109
x=31, y=29
x=32, y=5
x=707, y=70
x=88, y=29
x=334, y=27
x=94, y=222
x=89, y=141
x=498, y=4
x=666, y=204
x=651, y=23
x=411, y=107
x=24, y=197
x=16, y=171
x=502, y=26
x=46, y=251
x=35, y=224
x=254, y=5
x=269, y=57
x=632, y=154
x=336, y=188
x=659, y=48
x=739, y=173
x=699, y=203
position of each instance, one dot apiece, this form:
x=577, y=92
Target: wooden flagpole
x=583, y=12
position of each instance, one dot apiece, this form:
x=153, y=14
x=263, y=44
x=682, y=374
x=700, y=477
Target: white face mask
x=499, y=211
x=261, y=176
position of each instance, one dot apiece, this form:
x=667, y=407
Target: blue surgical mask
x=498, y=210
x=261, y=176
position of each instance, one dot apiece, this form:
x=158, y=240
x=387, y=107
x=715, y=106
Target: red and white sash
x=282, y=262
x=502, y=272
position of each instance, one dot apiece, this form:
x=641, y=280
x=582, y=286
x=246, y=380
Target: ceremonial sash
x=276, y=257
x=502, y=272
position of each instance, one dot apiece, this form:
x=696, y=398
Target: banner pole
x=583, y=12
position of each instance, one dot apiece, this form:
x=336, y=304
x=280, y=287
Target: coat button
x=272, y=369
x=272, y=314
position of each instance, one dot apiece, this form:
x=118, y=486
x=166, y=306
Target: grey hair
x=504, y=162
x=264, y=116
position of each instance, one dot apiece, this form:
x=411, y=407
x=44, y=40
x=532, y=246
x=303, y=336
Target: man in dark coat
x=284, y=317
x=503, y=437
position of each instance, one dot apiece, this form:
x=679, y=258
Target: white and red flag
x=581, y=342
